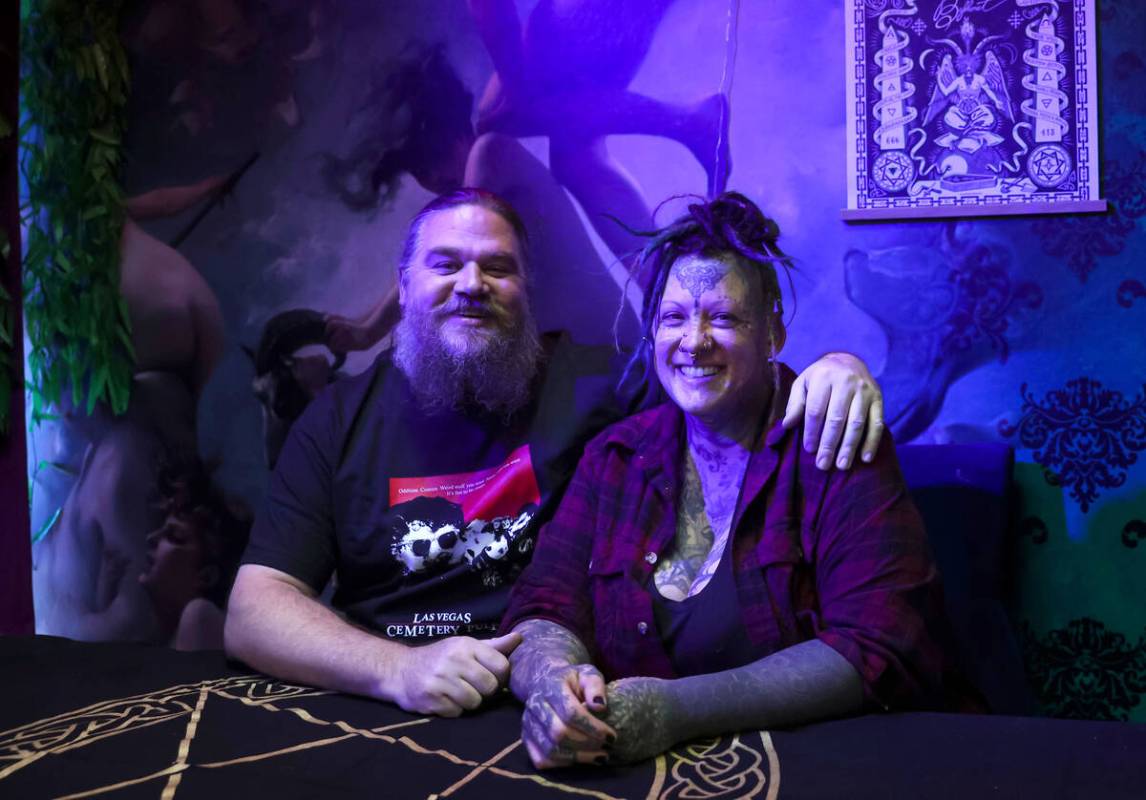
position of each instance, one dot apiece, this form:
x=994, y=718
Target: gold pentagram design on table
x=215, y=736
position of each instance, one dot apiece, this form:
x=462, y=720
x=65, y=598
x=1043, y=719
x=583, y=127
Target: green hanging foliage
x=74, y=87
x=7, y=344
x=7, y=318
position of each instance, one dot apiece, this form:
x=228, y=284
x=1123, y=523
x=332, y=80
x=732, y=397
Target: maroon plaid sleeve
x=555, y=584
x=878, y=587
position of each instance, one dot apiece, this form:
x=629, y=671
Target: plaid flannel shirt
x=840, y=556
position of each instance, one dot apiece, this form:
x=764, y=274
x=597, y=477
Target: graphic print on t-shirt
x=472, y=517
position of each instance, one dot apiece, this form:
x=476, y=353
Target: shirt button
x=651, y=557
x=642, y=628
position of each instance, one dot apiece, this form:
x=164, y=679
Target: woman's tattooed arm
x=799, y=684
x=545, y=647
x=550, y=672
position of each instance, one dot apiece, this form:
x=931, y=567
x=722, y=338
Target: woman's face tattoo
x=711, y=343
x=699, y=275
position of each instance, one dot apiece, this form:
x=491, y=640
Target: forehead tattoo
x=699, y=276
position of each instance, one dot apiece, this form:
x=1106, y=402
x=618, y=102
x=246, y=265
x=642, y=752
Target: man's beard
x=494, y=370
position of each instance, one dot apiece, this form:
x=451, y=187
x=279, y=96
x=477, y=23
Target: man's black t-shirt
x=425, y=519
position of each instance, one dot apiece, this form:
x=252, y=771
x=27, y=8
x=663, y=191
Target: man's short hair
x=466, y=196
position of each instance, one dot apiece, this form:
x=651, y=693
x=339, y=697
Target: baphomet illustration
x=971, y=94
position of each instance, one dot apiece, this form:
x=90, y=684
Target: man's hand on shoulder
x=451, y=676
x=837, y=398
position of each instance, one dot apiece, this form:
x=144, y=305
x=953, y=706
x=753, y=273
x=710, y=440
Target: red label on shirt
x=472, y=517
x=488, y=493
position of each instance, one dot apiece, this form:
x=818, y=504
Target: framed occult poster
x=971, y=107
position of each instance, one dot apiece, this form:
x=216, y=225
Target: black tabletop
x=123, y=721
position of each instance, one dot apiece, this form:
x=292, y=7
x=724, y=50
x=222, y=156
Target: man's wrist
x=391, y=662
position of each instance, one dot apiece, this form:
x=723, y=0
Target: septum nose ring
x=704, y=346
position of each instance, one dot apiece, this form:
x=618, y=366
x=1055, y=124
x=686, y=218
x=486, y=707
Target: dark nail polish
x=599, y=700
x=601, y=760
x=609, y=739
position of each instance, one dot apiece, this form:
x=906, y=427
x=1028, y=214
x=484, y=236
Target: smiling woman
x=716, y=335
x=702, y=575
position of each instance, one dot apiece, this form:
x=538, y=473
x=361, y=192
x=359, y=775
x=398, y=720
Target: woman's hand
x=639, y=711
x=560, y=726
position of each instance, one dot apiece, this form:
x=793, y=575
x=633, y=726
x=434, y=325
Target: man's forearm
x=278, y=629
x=803, y=683
x=545, y=647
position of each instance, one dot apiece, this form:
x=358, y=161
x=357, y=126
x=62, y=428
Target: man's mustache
x=466, y=305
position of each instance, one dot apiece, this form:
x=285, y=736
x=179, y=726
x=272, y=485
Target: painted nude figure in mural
x=563, y=75
x=176, y=322
x=566, y=75
x=89, y=561
x=204, y=44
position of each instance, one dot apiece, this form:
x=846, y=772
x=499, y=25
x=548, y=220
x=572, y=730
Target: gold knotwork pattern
x=24, y=745
x=699, y=771
x=721, y=768
x=255, y=690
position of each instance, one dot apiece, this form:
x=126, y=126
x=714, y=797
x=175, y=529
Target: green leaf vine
x=7, y=335
x=74, y=87
x=7, y=318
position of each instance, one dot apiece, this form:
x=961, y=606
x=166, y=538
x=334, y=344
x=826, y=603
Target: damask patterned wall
x=1045, y=332
x=1028, y=331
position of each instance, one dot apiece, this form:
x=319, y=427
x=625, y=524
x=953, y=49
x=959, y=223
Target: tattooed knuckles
x=552, y=742
x=557, y=726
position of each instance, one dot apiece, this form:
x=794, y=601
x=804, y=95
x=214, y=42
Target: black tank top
x=705, y=633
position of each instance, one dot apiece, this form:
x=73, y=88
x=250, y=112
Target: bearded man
x=420, y=483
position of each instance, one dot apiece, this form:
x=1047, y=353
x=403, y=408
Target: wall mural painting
x=276, y=151
x=947, y=308
x=270, y=146
x=964, y=107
